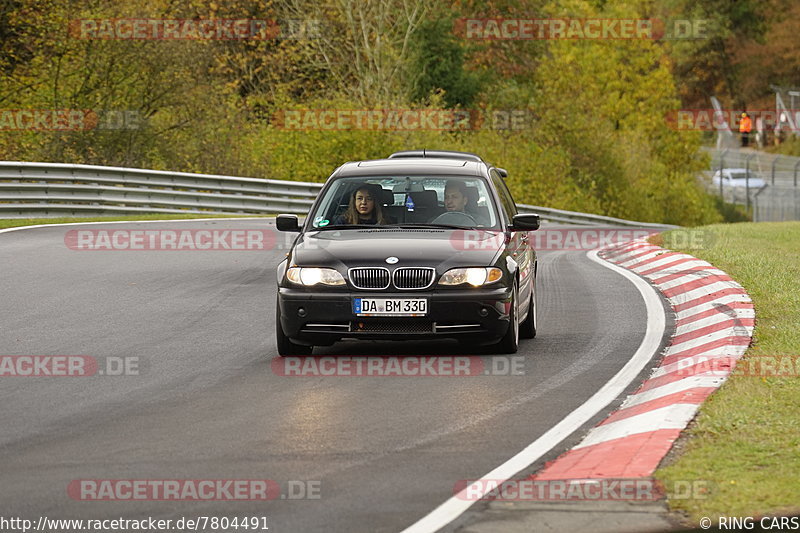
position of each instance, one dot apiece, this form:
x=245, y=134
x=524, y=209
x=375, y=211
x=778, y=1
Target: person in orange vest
x=745, y=126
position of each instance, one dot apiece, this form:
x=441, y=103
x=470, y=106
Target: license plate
x=390, y=306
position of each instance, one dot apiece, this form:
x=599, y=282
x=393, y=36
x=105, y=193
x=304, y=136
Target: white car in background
x=738, y=177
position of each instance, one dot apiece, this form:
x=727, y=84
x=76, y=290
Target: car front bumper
x=321, y=318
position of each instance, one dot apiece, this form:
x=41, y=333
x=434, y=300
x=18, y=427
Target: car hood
x=439, y=248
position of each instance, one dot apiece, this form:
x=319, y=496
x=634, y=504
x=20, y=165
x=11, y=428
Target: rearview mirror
x=525, y=222
x=287, y=223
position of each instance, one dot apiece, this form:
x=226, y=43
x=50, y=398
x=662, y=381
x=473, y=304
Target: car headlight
x=313, y=276
x=475, y=276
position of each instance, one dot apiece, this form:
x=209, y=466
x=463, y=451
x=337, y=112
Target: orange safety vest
x=745, y=125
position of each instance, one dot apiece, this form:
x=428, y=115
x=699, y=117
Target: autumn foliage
x=590, y=133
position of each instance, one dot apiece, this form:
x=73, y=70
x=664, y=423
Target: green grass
x=745, y=440
x=16, y=222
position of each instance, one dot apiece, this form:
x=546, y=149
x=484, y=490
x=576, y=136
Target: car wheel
x=510, y=341
x=285, y=344
x=527, y=329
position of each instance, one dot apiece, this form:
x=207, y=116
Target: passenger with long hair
x=365, y=207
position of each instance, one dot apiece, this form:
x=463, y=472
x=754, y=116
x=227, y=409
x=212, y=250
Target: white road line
x=456, y=505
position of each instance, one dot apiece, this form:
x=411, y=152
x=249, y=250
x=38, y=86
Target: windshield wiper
x=347, y=226
x=427, y=225
x=409, y=225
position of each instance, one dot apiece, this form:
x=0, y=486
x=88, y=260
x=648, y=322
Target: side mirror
x=503, y=172
x=525, y=222
x=287, y=223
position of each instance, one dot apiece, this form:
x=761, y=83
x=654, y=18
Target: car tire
x=285, y=345
x=527, y=329
x=510, y=341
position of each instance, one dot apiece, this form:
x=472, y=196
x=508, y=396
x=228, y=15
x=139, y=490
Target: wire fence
x=769, y=191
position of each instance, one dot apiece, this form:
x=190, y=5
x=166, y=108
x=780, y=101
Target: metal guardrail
x=29, y=190
x=52, y=189
x=587, y=219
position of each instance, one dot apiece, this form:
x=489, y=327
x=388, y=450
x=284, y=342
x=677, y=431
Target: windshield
x=452, y=201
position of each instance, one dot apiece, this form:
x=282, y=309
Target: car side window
x=505, y=196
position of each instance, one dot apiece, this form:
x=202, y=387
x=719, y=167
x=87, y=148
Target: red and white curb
x=714, y=319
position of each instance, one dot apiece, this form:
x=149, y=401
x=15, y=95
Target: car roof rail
x=439, y=154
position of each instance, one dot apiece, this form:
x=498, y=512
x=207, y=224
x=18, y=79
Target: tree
x=365, y=46
x=438, y=65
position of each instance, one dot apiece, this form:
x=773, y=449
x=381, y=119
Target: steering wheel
x=456, y=218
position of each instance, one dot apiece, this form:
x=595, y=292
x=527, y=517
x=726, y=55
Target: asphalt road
x=206, y=404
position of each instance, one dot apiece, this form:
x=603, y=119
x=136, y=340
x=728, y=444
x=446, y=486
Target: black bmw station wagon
x=421, y=245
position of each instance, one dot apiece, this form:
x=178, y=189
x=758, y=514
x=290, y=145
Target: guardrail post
x=721, y=167
x=747, y=182
x=795, y=172
x=773, y=168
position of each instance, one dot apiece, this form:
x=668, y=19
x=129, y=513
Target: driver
x=455, y=196
x=456, y=200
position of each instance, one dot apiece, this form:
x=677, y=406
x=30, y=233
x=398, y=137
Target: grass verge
x=16, y=222
x=745, y=441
